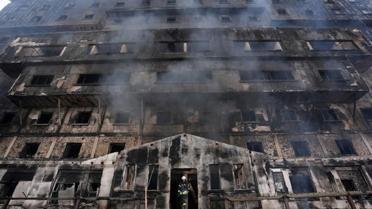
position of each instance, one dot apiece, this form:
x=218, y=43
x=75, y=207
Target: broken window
x=41, y=51
x=185, y=46
x=348, y=185
x=255, y=146
x=129, y=176
x=94, y=183
x=331, y=45
x=82, y=117
x=111, y=48
x=116, y=147
x=95, y=5
x=44, y=118
x=279, y=182
x=120, y=4
x=289, y=115
x=62, y=18
x=346, y=147
x=266, y=75
x=67, y=184
x=72, y=150
x=171, y=19
x=301, y=183
x=259, y=45
x=367, y=114
x=214, y=171
x=183, y=77
x=329, y=115
x=282, y=11
x=88, y=16
x=146, y=3
x=248, y=116
x=121, y=118
x=41, y=80
x=225, y=19
x=301, y=148
x=29, y=150
x=7, y=118
x=171, y=2
x=89, y=79
x=11, y=178
x=163, y=118
x=239, y=176
x=331, y=75
x=36, y=19
x=153, y=177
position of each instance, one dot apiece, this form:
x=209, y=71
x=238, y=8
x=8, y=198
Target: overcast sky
x=3, y=3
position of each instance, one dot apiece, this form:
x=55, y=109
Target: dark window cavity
x=111, y=48
x=255, y=146
x=264, y=45
x=44, y=118
x=346, y=147
x=62, y=18
x=41, y=80
x=331, y=75
x=184, y=77
x=225, y=19
x=282, y=11
x=171, y=19
x=120, y=4
x=153, y=177
x=129, y=176
x=349, y=185
x=72, y=150
x=36, y=19
x=266, y=76
x=7, y=118
x=41, y=51
x=301, y=183
x=249, y=116
x=171, y=2
x=29, y=150
x=121, y=118
x=330, y=45
x=367, y=114
x=214, y=171
x=116, y=147
x=301, y=148
x=88, y=17
x=82, y=117
x=163, y=118
x=89, y=79
x=289, y=115
x=329, y=115
x=239, y=176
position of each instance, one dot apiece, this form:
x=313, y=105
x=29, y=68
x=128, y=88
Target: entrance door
x=191, y=176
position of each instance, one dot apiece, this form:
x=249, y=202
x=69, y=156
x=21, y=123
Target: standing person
x=183, y=192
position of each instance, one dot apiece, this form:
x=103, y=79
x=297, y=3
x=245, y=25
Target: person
x=183, y=192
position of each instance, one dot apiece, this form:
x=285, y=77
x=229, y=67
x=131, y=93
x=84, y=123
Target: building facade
x=262, y=104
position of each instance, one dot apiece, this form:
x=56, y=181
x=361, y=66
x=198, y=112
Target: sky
x=3, y=3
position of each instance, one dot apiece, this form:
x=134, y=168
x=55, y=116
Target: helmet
x=183, y=178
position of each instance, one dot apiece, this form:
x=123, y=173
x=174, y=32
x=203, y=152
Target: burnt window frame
x=346, y=147
x=171, y=77
x=57, y=51
x=253, y=46
x=301, y=188
x=88, y=17
x=301, y=148
x=266, y=76
x=67, y=150
x=225, y=19
x=26, y=147
x=41, y=80
x=36, y=19
x=256, y=146
x=345, y=183
x=284, y=115
x=317, y=48
x=117, y=144
x=214, y=186
x=282, y=11
x=5, y=115
x=325, y=113
x=334, y=75
x=132, y=168
x=62, y=18
x=111, y=48
x=250, y=114
x=76, y=117
x=151, y=180
x=121, y=122
x=367, y=115
x=239, y=176
x=89, y=79
x=48, y=114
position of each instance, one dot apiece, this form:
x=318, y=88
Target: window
x=153, y=177
x=225, y=19
x=223, y=1
x=349, y=185
x=44, y=118
x=255, y=146
x=301, y=148
x=111, y=48
x=88, y=17
x=266, y=76
x=239, y=176
x=309, y=12
x=184, y=77
x=248, y=116
x=331, y=45
x=146, y=3
x=36, y=19
x=42, y=51
x=129, y=177
x=163, y=118
x=301, y=183
x=41, y=80
x=11, y=178
x=95, y=5
x=116, y=147
x=367, y=114
x=94, y=183
x=171, y=2
x=171, y=19
x=62, y=18
x=120, y=4
x=289, y=115
x=259, y=45
x=214, y=171
x=72, y=150
x=82, y=117
x=7, y=118
x=331, y=75
x=279, y=181
x=346, y=147
x=89, y=79
x=121, y=118
x=282, y=11
x=329, y=115
x=29, y=150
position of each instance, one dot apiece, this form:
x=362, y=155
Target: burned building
x=261, y=104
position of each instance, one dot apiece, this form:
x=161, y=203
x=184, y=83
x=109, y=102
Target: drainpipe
x=286, y=202
x=350, y=201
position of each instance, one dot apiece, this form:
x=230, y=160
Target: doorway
x=191, y=175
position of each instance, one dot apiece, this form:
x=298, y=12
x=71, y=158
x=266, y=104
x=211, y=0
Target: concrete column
x=10, y=147
x=51, y=148
x=94, y=147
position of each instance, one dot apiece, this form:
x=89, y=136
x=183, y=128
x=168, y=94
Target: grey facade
x=262, y=104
